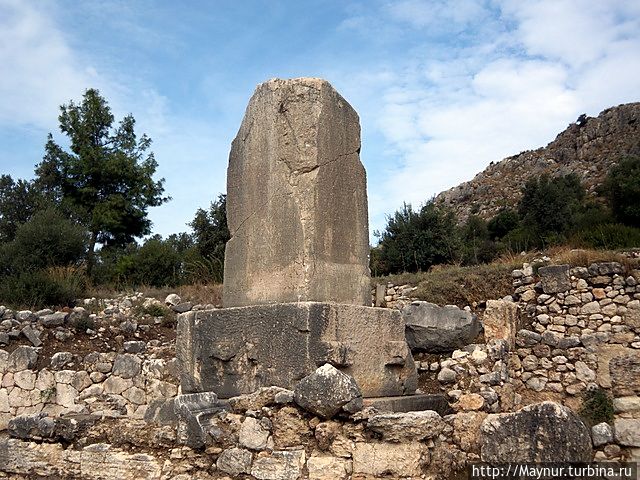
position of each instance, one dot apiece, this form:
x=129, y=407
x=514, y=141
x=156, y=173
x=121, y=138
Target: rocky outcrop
x=588, y=148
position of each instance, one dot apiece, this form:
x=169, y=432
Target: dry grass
x=473, y=285
x=457, y=285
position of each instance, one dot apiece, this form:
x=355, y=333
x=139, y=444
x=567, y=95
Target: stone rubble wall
x=557, y=336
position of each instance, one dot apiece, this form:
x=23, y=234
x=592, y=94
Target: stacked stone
x=107, y=384
x=475, y=377
x=392, y=296
x=576, y=315
x=36, y=327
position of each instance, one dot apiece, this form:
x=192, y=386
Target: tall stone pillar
x=297, y=200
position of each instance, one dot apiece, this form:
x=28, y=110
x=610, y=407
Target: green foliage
x=549, y=207
x=597, y=407
x=414, y=241
x=211, y=233
x=48, y=394
x=48, y=239
x=106, y=180
x=608, y=236
x=476, y=246
x=622, y=190
x=42, y=288
x=503, y=223
x=19, y=200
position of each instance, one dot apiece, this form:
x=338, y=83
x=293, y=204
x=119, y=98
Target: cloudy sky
x=442, y=87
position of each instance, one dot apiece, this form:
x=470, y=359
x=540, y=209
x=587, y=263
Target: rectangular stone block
x=297, y=199
x=234, y=351
x=555, y=278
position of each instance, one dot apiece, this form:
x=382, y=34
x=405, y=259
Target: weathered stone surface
x=22, y=358
x=235, y=351
x=32, y=335
x=407, y=427
x=432, y=328
x=623, y=404
x=470, y=401
x=627, y=431
x=601, y=434
x=411, y=403
x=37, y=426
x=235, y=461
x=625, y=374
x=555, y=278
x=290, y=428
x=296, y=199
x=127, y=365
x=500, y=321
x=97, y=461
x=279, y=465
x=263, y=397
x=194, y=412
x=398, y=460
x=542, y=432
x=328, y=468
x=253, y=434
x=327, y=391
x=53, y=319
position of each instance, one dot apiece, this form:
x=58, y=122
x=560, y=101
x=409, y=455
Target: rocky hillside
x=589, y=148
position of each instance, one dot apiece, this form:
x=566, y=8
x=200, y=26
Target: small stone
x=253, y=434
x=470, y=402
x=127, y=366
x=61, y=359
x=447, y=375
x=234, y=461
x=173, y=299
x=601, y=434
x=32, y=335
x=53, y=320
x=134, y=346
x=22, y=358
x=327, y=391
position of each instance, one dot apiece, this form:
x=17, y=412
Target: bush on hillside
x=415, y=240
x=48, y=239
x=622, y=189
x=43, y=288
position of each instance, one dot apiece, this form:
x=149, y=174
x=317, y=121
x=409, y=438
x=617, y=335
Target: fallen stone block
x=542, y=432
x=431, y=328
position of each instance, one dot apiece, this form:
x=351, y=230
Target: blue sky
x=442, y=87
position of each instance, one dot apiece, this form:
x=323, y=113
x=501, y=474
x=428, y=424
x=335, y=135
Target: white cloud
x=449, y=116
x=39, y=70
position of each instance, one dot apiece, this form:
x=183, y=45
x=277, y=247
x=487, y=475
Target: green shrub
x=43, y=288
x=47, y=239
x=609, y=236
x=597, y=407
x=622, y=189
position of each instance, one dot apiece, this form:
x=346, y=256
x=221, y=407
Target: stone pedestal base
x=234, y=351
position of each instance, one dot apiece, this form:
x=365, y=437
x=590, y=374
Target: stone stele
x=296, y=286
x=296, y=199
